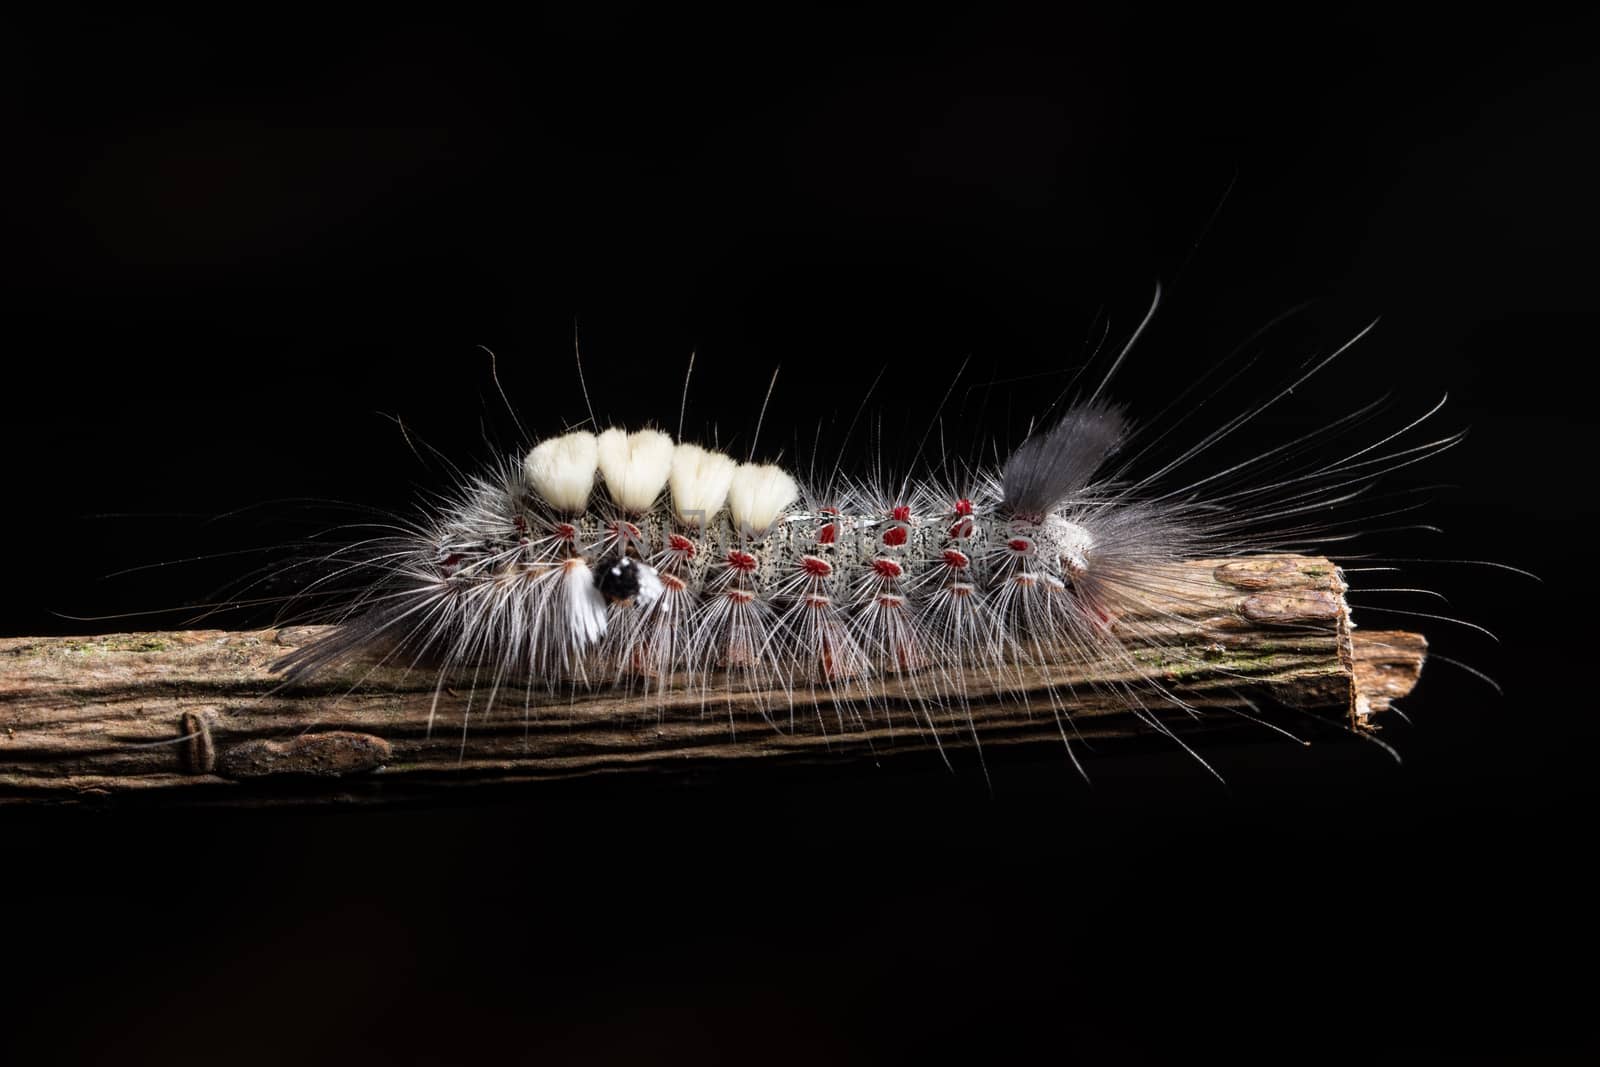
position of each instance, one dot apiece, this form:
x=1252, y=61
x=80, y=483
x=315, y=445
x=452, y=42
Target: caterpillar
x=607, y=556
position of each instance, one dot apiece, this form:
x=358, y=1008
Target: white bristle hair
x=562, y=469
x=635, y=467
x=582, y=607
x=699, y=479
x=758, y=494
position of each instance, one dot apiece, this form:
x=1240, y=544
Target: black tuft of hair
x=1050, y=468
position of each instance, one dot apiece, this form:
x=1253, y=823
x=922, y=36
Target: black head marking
x=617, y=578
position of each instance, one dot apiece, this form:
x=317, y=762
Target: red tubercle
x=887, y=568
x=1025, y=580
x=818, y=600
x=963, y=589
x=909, y=656
x=680, y=545
x=642, y=662
x=893, y=601
x=1103, y=617
x=741, y=561
x=565, y=531
x=956, y=559
x=622, y=528
x=900, y=513
x=815, y=566
x=895, y=536
x=739, y=596
x=962, y=528
x=1020, y=545
x=963, y=506
x=828, y=534
x=672, y=583
x=839, y=658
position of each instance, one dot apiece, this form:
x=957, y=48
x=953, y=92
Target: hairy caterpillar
x=605, y=557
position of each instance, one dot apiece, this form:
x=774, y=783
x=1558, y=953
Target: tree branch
x=198, y=714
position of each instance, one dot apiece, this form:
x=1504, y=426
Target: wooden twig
x=199, y=714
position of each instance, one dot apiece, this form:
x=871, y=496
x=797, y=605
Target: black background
x=234, y=245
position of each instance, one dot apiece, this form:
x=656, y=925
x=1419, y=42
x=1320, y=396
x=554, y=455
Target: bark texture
x=198, y=715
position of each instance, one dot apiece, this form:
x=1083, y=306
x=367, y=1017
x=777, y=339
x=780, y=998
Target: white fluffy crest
x=561, y=469
x=635, y=466
x=700, y=480
x=758, y=494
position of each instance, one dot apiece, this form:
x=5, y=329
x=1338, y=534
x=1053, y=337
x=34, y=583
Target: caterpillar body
x=634, y=559
x=727, y=568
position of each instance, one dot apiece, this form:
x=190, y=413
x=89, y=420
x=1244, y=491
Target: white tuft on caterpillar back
x=635, y=467
x=758, y=495
x=562, y=470
x=700, y=481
